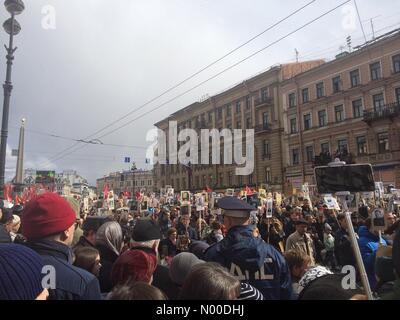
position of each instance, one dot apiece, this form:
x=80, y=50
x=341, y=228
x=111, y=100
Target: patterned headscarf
x=312, y=274
x=110, y=235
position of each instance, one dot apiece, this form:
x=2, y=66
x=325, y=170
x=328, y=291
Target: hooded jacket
x=369, y=243
x=71, y=283
x=254, y=261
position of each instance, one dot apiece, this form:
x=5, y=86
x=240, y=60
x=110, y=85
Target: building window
x=383, y=142
x=240, y=180
x=264, y=94
x=268, y=174
x=230, y=182
x=203, y=181
x=396, y=63
x=397, y=93
x=304, y=94
x=339, y=113
x=265, y=119
x=219, y=110
x=336, y=84
x=361, y=145
x=292, y=100
x=293, y=125
x=228, y=110
x=310, y=153
x=196, y=182
x=142, y=182
x=322, y=118
x=342, y=145
x=355, y=78
x=265, y=148
x=221, y=179
x=307, y=121
x=375, y=69
x=320, y=90
x=357, y=108
x=248, y=102
x=210, y=116
x=177, y=184
x=325, y=147
x=238, y=107
x=238, y=124
x=248, y=123
x=378, y=101
x=184, y=185
x=295, y=156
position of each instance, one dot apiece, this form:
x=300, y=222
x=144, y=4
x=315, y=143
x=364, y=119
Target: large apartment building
x=252, y=104
x=302, y=113
x=349, y=105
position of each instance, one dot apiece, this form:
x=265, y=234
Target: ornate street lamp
x=12, y=27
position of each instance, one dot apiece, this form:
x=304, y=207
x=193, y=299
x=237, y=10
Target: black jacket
x=170, y=248
x=83, y=242
x=181, y=230
x=161, y=278
x=71, y=283
x=343, y=250
x=107, y=259
x=289, y=227
x=4, y=235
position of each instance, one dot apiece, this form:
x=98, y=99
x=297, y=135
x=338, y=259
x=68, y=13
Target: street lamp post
x=12, y=27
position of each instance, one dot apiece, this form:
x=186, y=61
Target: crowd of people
x=48, y=250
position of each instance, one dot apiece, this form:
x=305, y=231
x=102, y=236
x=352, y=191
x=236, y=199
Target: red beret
x=135, y=265
x=45, y=215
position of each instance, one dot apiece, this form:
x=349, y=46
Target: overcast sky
x=107, y=57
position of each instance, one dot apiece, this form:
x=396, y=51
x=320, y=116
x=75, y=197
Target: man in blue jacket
x=369, y=243
x=48, y=223
x=250, y=259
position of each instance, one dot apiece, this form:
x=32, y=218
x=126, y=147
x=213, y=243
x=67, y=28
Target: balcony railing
x=262, y=127
x=262, y=101
x=387, y=111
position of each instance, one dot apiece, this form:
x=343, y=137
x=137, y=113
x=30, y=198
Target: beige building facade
x=131, y=181
x=253, y=104
x=350, y=103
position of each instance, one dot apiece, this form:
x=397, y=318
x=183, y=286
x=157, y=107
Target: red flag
x=138, y=195
x=18, y=200
x=7, y=192
x=248, y=190
x=209, y=190
x=105, y=191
